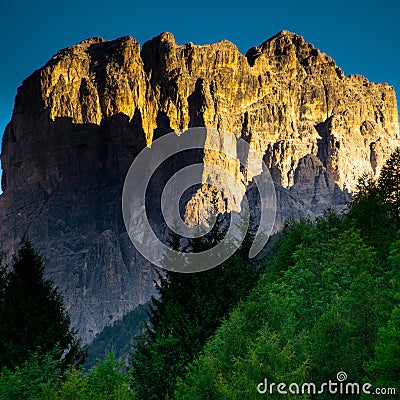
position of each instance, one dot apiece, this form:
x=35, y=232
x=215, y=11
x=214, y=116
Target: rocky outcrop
x=79, y=121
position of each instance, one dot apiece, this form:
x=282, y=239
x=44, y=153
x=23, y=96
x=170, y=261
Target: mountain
x=80, y=121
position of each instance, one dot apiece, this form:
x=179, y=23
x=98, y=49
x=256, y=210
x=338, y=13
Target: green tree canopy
x=32, y=315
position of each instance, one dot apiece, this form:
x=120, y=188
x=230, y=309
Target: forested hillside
x=118, y=338
x=324, y=300
x=327, y=302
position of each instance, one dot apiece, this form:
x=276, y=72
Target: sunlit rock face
x=79, y=122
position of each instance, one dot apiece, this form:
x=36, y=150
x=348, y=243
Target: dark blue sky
x=361, y=36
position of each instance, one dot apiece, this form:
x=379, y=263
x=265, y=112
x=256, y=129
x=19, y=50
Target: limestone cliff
x=79, y=121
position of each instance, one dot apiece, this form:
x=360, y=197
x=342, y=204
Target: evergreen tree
x=32, y=316
x=375, y=209
x=28, y=380
x=40, y=377
x=389, y=185
x=384, y=369
x=370, y=214
x=188, y=311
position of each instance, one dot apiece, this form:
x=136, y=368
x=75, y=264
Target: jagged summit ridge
x=285, y=76
x=80, y=120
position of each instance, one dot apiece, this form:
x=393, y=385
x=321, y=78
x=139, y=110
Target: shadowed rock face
x=79, y=121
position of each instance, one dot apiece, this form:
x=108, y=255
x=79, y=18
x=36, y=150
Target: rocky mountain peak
x=80, y=121
x=287, y=48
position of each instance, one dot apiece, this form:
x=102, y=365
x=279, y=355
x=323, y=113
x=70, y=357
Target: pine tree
x=375, y=209
x=384, y=368
x=189, y=309
x=32, y=316
x=389, y=184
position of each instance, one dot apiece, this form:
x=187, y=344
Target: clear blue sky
x=361, y=36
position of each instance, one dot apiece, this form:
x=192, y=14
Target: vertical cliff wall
x=79, y=121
